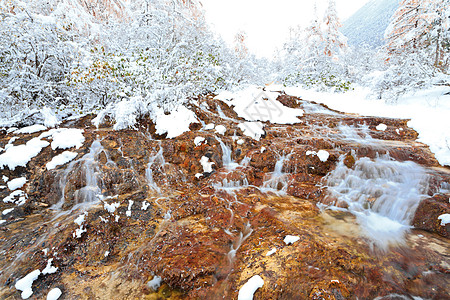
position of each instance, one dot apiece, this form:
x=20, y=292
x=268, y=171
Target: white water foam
x=382, y=193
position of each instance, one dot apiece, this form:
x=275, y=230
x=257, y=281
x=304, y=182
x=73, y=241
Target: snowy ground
x=429, y=111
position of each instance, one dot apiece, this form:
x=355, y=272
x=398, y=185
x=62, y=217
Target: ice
x=130, y=204
x=26, y=282
x=16, y=183
x=30, y=129
x=255, y=130
x=445, y=219
x=176, y=123
x=290, y=239
x=68, y=138
x=78, y=232
x=249, y=288
x=54, y=294
x=19, y=156
x=381, y=127
x=49, y=269
x=206, y=164
x=61, y=159
x=155, y=283
x=145, y=205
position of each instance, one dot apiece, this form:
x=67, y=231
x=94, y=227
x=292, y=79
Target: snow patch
x=30, y=129
x=445, y=219
x=49, y=269
x=25, y=284
x=7, y=211
x=61, y=159
x=176, y=123
x=249, y=288
x=323, y=155
x=206, y=164
x=19, y=156
x=68, y=138
x=290, y=239
x=272, y=251
x=16, y=183
x=220, y=129
x=252, y=129
x=54, y=294
x=198, y=140
x=381, y=127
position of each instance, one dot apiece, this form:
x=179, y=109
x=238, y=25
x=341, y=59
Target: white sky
x=267, y=22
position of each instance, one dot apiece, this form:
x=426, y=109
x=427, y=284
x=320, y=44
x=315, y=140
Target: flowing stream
x=382, y=193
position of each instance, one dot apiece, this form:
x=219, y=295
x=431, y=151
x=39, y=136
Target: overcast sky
x=267, y=22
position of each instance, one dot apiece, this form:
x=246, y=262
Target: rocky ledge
x=138, y=216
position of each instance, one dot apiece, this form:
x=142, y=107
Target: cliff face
x=208, y=210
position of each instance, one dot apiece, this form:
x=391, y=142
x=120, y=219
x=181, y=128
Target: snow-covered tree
x=334, y=41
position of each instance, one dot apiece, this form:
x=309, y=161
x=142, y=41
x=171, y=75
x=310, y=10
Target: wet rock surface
x=150, y=210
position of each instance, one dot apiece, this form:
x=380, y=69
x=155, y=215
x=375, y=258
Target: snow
x=240, y=142
x=381, y=127
x=176, y=123
x=111, y=208
x=323, y=155
x=68, y=138
x=130, y=204
x=54, y=294
x=155, y=283
x=254, y=104
x=252, y=129
x=145, y=205
x=61, y=159
x=19, y=156
x=427, y=109
x=290, y=239
x=49, y=269
x=16, y=183
x=263, y=149
x=209, y=126
x=25, y=284
x=206, y=164
x=199, y=140
x=30, y=129
x=50, y=119
x=272, y=251
x=80, y=219
x=220, y=129
x=249, y=288
x=78, y=232
x=17, y=193
x=445, y=219
x=5, y=178
x=7, y=211
x=106, y=253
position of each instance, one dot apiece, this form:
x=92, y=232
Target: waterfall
x=90, y=171
x=382, y=193
x=227, y=161
x=156, y=160
x=278, y=179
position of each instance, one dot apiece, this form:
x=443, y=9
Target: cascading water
x=227, y=161
x=157, y=161
x=90, y=171
x=278, y=179
x=359, y=135
x=382, y=193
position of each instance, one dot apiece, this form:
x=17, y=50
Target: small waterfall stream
x=278, y=179
x=155, y=161
x=382, y=193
